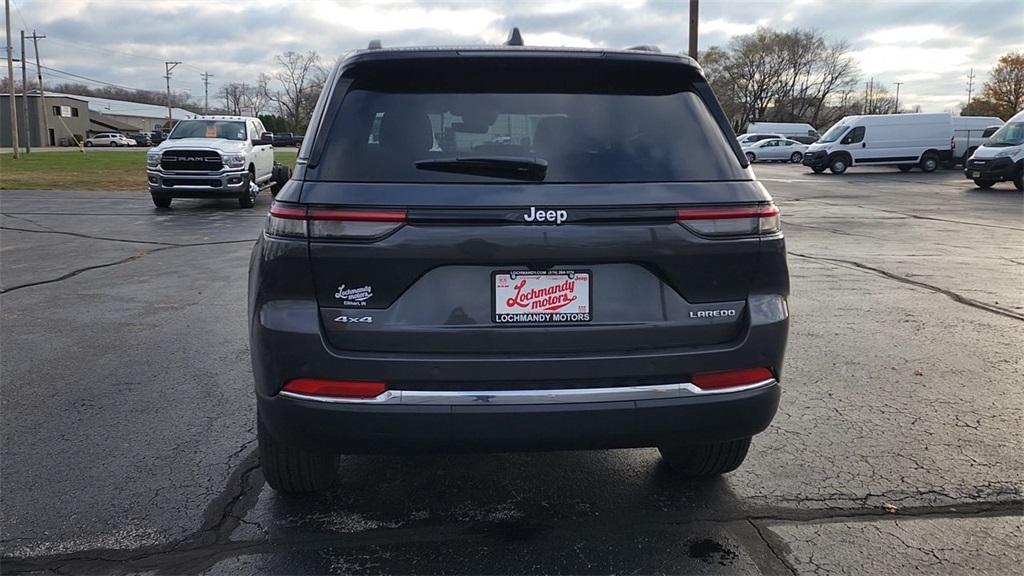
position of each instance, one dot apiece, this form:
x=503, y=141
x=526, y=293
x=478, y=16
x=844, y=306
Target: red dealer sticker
x=545, y=297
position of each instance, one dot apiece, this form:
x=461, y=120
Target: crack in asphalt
x=770, y=543
x=131, y=258
x=211, y=543
x=954, y=296
x=190, y=554
x=78, y=235
x=905, y=214
x=948, y=220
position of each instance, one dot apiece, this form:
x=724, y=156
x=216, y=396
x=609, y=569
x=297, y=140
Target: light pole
x=897, y=110
x=10, y=78
x=694, y=8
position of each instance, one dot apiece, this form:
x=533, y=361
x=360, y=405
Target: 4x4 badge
x=350, y=319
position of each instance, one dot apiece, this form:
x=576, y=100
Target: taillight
x=328, y=223
x=336, y=388
x=286, y=221
x=731, y=378
x=731, y=220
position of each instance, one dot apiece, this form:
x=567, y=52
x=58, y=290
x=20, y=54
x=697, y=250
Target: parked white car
x=775, y=150
x=752, y=137
x=111, y=139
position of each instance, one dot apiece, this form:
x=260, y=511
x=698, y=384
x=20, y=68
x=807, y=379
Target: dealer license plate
x=975, y=174
x=544, y=297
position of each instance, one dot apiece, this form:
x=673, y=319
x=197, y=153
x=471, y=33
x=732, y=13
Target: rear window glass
x=611, y=130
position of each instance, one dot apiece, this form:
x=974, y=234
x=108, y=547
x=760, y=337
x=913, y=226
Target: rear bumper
x=196, y=185
x=998, y=169
x=483, y=426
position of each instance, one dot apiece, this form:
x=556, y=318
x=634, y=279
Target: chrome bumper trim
x=512, y=397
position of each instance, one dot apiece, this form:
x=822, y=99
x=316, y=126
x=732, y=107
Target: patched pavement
x=127, y=412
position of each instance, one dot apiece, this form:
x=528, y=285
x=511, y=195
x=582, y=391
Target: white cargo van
x=969, y=132
x=804, y=133
x=1001, y=157
x=754, y=137
x=902, y=140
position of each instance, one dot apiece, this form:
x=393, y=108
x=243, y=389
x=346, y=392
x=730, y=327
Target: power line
x=95, y=81
x=107, y=50
x=20, y=15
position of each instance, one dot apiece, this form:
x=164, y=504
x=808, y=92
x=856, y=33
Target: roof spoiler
x=645, y=48
x=514, y=38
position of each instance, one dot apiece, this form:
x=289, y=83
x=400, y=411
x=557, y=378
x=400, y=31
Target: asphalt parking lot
x=128, y=441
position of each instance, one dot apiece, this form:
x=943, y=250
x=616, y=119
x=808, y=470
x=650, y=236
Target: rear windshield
x=587, y=122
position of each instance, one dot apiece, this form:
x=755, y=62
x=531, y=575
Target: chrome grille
x=191, y=160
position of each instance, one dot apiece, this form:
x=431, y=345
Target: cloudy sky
x=930, y=46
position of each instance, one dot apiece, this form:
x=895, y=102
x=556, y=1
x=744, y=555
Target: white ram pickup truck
x=214, y=157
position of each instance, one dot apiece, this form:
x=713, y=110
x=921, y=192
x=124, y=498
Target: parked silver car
x=109, y=139
x=775, y=150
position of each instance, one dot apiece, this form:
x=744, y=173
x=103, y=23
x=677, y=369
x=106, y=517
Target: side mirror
x=265, y=138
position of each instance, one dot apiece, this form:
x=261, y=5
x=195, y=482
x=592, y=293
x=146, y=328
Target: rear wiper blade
x=511, y=167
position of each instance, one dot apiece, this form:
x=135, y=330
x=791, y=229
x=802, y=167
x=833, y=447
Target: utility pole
x=168, y=66
x=10, y=78
x=694, y=8
x=970, y=90
x=42, y=96
x=24, y=97
x=206, y=91
x=871, y=92
x=897, y=110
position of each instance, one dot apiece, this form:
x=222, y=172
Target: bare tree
x=233, y=95
x=787, y=76
x=257, y=97
x=298, y=76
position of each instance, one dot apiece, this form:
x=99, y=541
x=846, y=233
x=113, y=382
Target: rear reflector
x=336, y=388
x=731, y=220
x=323, y=223
x=731, y=378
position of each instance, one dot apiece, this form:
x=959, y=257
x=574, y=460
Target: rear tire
x=838, y=165
x=114, y=144
x=292, y=470
x=88, y=144
x=280, y=175
x=929, y=163
x=796, y=157
x=984, y=184
x=702, y=460
x=905, y=167
x=751, y=158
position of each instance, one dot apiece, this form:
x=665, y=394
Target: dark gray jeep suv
x=516, y=248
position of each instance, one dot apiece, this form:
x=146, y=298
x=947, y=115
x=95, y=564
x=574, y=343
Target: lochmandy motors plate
x=542, y=297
